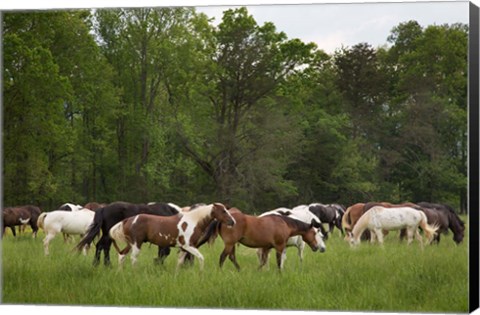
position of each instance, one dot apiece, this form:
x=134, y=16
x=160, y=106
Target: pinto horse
x=183, y=231
x=66, y=222
x=105, y=218
x=446, y=218
x=271, y=231
x=331, y=214
x=21, y=215
x=380, y=218
x=302, y=214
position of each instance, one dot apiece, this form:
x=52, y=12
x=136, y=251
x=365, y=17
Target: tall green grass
x=396, y=278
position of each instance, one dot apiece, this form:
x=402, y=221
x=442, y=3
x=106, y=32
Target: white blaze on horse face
x=319, y=239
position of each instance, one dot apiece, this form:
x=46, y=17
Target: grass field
x=394, y=278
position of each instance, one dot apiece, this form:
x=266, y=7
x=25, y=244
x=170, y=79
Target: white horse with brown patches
x=380, y=218
x=182, y=230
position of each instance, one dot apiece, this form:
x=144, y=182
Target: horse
x=271, y=231
x=183, y=231
x=66, y=222
x=70, y=207
x=331, y=214
x=21, y=215
x=354, y=212
x=446, y=218
x=380, y=218
x=105, y=218
x=301, y=214
x=94, y=205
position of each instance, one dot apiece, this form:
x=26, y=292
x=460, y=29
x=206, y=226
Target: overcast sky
x=330, y=24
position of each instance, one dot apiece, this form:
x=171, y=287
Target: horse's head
x=314, y=238
x=219, y=212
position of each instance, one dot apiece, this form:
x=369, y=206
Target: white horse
x=301, y=214
x=379, y=218
x=67, y=222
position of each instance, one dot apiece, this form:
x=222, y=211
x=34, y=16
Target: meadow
x=397, y=278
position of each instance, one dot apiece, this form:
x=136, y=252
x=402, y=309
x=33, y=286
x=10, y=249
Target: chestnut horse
x=271, y=231
x=183, y=230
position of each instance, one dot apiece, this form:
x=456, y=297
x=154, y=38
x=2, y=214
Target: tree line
x=159, y=104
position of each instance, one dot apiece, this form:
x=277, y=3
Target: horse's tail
x=117, y=233
x=93, y=230
x=346, y=223
x=210, y=233
x=429, y=230
x=41, y=219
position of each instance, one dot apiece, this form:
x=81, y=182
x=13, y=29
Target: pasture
x=368, y=278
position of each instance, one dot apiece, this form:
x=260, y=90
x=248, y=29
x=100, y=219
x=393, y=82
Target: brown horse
x=94, y=205
x=21, y=215
x=182, y=230
x=267, y=232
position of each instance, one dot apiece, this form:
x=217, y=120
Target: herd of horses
x=167, y=225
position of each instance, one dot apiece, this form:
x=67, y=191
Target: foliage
x=158, y=104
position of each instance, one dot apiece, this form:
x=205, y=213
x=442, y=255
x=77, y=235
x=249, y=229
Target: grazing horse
x=271, y=231
x=301, y=214
x=447, y=219
x=380, y=218
x=330, y=214
x=66, y=222
x=105, y=218
x=21, y=215
x=183, y=231
x=354, y=212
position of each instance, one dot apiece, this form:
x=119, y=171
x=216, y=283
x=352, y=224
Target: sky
x=330, y=25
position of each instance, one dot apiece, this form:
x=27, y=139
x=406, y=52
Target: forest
x=160, y=104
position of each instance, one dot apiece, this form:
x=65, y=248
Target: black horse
x=105, y=218
x=446, y=218
x=331, y=214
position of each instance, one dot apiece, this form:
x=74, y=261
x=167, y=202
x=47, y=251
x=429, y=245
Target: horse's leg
x=373, y=237
x=163, y=253
x=123, y=254
x=419, y=238
x=233, y=259
x=195, y=252
x=135, y=252
x=106, y=251
x=99, y=247
x=13, y=231
x=379, y=234
x=264, y=257
x=226, y=251
x=300, y=247
x=46, y=241
x=280, y=257
x=410, y=233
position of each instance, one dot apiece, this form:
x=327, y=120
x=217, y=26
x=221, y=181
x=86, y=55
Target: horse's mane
x=296, y=224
